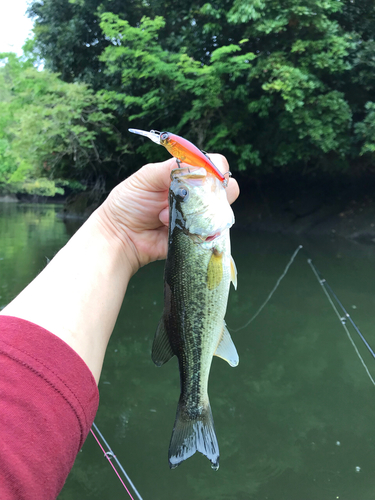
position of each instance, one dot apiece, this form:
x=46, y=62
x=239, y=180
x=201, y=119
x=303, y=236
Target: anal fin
x=226, y=348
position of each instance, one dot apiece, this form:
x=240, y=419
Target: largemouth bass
x=197, y=277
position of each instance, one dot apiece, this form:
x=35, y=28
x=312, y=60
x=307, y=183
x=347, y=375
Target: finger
x=233, y=190
x=157, y=176
x=222, y=164
x=164, y=216
x=219, y=161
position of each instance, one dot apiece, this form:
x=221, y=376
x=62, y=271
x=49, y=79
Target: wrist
x=116, y=234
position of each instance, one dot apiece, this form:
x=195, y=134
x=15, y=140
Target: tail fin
x=191, y=435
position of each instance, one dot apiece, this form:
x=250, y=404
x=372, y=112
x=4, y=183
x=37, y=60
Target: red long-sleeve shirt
x=48, y=401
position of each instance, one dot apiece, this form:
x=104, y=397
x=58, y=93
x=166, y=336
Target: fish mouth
x=212, y=237
x=198, y=238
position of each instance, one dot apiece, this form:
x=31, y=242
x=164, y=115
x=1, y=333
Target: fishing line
x=109, y=454
x=271, y=293
x=331, y=296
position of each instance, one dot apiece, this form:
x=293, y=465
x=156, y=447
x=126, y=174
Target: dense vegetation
x=281, y=87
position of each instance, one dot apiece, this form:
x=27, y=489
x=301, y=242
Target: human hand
x=137, y=212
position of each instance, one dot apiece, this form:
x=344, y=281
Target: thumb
x=157, y=176
x=164, y=216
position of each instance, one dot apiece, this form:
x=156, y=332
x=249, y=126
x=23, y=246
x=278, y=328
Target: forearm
x=79, y=294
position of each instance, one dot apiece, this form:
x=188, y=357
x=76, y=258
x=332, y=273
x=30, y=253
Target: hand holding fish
x=137, y=211
x=78, y=295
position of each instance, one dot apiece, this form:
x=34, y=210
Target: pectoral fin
x=161, y=348
x=226, y=349
x=215, y=270
x=233, y=272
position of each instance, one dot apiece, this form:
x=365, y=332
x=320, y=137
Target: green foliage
x=274, y=86
x=40, y=187
x=265, y=108
x=8, y=162
x=159, y=85
x=366, y=129
x=48, y=130
x=60, y=120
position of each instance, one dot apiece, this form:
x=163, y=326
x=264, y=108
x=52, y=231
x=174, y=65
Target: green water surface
x=295, y=419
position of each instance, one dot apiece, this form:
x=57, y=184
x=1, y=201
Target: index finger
x=222, y=164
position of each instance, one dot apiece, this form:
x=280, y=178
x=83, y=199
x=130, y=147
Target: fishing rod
x=344, y=317
x=109, y=454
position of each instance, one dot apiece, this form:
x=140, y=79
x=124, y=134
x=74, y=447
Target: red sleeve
x=48, y=401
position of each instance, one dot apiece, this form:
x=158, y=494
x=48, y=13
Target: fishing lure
x=183, y=150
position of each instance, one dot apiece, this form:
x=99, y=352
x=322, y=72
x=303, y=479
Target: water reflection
x=29, y=235
x=294, y=420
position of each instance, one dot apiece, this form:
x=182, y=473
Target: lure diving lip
x=183, y=150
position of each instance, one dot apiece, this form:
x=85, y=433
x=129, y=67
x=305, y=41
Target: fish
x=182, y=149
x=197, y=276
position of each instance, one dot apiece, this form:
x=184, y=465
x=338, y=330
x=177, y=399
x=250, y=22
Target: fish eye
x=182, y=193
x=164, y=136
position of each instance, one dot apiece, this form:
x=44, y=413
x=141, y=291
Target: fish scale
x=197, y=277
x=191, y=316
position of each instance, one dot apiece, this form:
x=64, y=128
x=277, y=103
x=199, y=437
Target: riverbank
x=8, y=198
x=297, y=207
x=30, y=198
x=346, y=210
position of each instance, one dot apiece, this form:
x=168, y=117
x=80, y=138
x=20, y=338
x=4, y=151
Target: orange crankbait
x=182, y=149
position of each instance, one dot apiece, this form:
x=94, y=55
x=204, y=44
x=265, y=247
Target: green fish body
x=197, y=277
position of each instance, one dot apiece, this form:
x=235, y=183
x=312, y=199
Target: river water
x=295, y=419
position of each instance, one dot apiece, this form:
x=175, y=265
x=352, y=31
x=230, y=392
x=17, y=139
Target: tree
x=266, y=104
x=276, y=87
x=8, y=159
x=69, y=37
x=51, y=129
